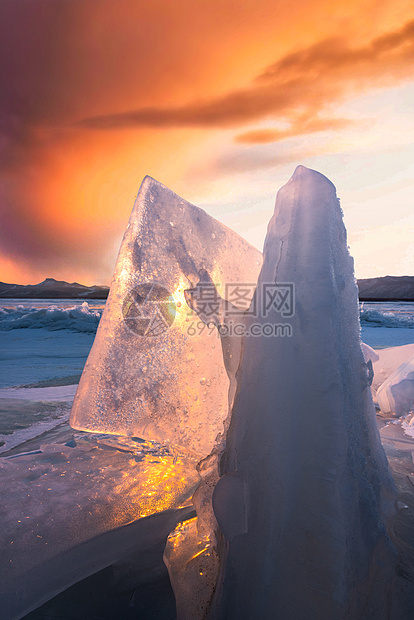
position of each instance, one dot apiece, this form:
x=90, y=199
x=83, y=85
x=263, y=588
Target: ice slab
x=389, y=360
x=155, y=370
x=396, y=394
x=303, y=440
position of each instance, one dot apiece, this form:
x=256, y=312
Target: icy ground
x=63, y=490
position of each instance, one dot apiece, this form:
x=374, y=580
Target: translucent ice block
x=155, y=370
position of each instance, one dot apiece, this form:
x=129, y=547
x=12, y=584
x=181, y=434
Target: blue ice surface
x=387, y=324
x=382, y=337
x=28, y=356
x=45, y=339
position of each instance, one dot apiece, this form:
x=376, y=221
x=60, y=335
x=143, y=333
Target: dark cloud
x=233, y=110
x=34, y=99
x=32, y=35
x=334, y=54
x=302, y=82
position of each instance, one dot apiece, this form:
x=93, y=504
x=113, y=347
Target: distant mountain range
x=53, y=289
x=388, y=288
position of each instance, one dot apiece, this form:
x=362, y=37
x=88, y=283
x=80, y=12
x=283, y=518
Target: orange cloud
x=302, y=125
x=309, y=80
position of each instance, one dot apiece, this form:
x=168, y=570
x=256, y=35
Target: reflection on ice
x=192, y=562
x=62, y=495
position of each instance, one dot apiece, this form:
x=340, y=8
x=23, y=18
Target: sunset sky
x=217, y=99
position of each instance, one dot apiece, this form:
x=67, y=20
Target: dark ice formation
x=305, y=492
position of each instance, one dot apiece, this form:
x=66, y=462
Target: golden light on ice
x=160, y=483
